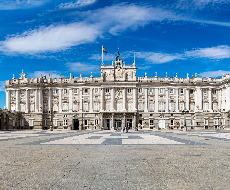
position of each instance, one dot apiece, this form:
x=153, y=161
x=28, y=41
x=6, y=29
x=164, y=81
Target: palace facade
x=118, y=98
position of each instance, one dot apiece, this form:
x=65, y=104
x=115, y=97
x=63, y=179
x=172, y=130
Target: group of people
x=125, y=129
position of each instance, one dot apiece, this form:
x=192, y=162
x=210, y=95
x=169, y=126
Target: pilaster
x=146, y=100
x=156, y=99
x=70, y=100
x=167, y=100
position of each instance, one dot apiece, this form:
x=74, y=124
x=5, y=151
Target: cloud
x=219, y=52
x=52, y=38
x=82, y=67
x=199, y=4
x=37, y=74
x=2, y=88
x=158, y=58
x=21, y=4
x=106, y=57
x=214, y=73
x=78, y=3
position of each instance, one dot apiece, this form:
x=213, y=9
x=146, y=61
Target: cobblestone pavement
x=114, y=160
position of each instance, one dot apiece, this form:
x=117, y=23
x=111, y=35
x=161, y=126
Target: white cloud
x=78, y=3
x=199, y=4
x=219, y=52
x=2, y=88
x=37, y=74
x=20, y=4
x=106, y=57
x=52, y=38
x=158, y=58
x=82, y=67
x=214, y=73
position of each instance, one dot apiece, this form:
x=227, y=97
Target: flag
x=104, y=50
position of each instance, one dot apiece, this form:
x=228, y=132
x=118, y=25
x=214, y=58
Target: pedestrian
x=126, y=129
x=123, y=129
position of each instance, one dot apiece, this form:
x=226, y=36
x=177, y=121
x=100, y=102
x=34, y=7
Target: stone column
x=40, y=100
x=81, y=100
x=134, y=120
x=36, y=100
x=112, y=121
x=50, y=98
x=219, y=99
x=124, y=120
x=223, y=99
x=210, y=99
x=8, y=99
x=102, y=99
x=102, y=121
x=60, y=100
x=156, y=100
x=112, y=99
x=135, y=99
x=27, y=101
x=167, y=100
x=124, y=99
x=17, y=101
x=70, y=100
x=187, y=100
x=146, y=100
x=177, y=99
x=91, y=100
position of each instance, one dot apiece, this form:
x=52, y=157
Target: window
x=151, y=122
x=140, y=107
x=55, y=92
x=214, y=91
x=65, y=115
x=140, y=121
x=31, y=107
x=129, y=90
x=140, y=90
x=205, y=91
x=45, y=91
x=161, y=90
x=31, y=122
x=192, y=122
x=182, y=91
x=118, y=89
x=172, y=107
x=55, y=107
x=181, y=106
x=65, y=91
x=45, y=122
x=151, y=90
x=75, y=91
x=12, y=107
x=31, y=91
x=86, y=122
x=96, y=122
x=205, y=106
x=223, y=121
x=215, y=106
x=107, y=90
x=96, y=90
x=22, y=108
x=129, y=106
x=171, y=122
x=107, y=106
x=161, y=106
x=171, y=91
x=96, y=106
x=215, y=121
x=151, y=107
x=86, y=91
x=191, y=91
x=75, y=107
x=86, y=108
x=206, y=122
x=65, y=108
x=21, y=122
x=22, y=92
x=182, y=122
x=65, y=122
x=119, y=106
x=13, y=92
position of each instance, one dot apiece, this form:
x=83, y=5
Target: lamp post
x=51, y=119
x=184, y=112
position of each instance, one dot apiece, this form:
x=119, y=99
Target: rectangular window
x=45, y=91
x=22, y=92
x=215, y=121
x=31, y=91
x=86, y=122
x=75, y=107
x=31, y=107
x=107, y=90
x=86, y=91
x=223, y=121
x=151, y=90
x=96, y=122
x=205, y=106
x=140, y=107
x=21, y=122
x=13, y=92
x=161, y=90
x=140, y=121
x=107, y=106
x=182, y=91
x=192, y=122
x=31, y=122
x=129, y=90
x=96, y=106
x=171, y=122
x=55, y=107
x=65, y=122
x=55, y=92
x=191, y=91
x=65, y=108
x=75, y=91
x=172, y=107
x=22, y=108
x=206, y=122
x=161, y=106
x=205, y=91
x=182, y=122
x=129, y=106
x=181, y=106
x=96, y=90
x=65, y=91
x=140, y=90
x=151, y=122
x=151, y=107
x=171, y=91
x=214, y=91
x=86, y=108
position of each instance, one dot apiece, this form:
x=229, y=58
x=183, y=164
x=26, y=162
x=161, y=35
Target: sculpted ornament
x=118, y=95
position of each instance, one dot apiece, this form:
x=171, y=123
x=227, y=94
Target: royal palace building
x=119, y=98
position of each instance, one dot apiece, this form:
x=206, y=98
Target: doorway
x=129, y=123
x=75, y=124
x=107, y=124
x=161, y=124
x=118, y=123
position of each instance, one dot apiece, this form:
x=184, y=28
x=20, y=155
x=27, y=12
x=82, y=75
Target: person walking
x=123, y=129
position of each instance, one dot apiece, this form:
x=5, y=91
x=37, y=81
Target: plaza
x=144, y=159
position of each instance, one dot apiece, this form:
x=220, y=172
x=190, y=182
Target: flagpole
x=102, y=55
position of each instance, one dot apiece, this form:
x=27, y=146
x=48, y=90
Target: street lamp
x=184, y=112
x=51, y=119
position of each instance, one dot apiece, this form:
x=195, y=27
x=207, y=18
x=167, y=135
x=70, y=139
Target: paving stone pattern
x=114, y=160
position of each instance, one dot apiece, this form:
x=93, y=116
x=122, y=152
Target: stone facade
x=118, y=98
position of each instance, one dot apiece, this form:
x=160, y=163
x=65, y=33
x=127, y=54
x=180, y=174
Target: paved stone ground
x=114, y=160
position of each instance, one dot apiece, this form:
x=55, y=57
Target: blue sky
x=64, y=36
